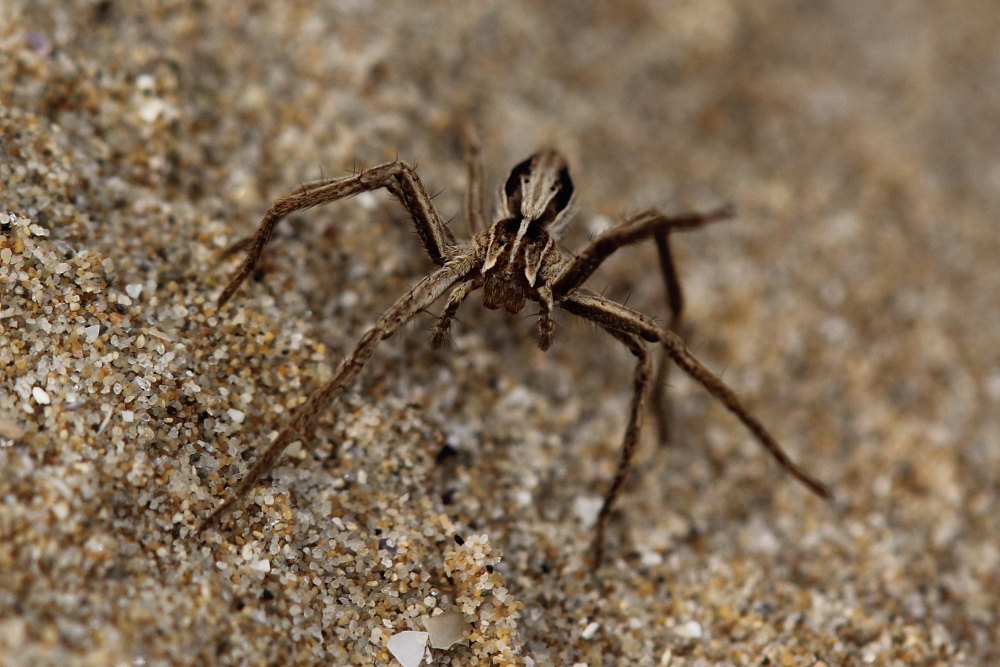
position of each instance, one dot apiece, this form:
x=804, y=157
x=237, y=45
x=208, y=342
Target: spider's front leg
x=398, y=178
x=546, y=325
x=646, y=224
x=304, y=420
x=650, y=223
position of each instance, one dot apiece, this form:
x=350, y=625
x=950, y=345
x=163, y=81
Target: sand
x=851, y=303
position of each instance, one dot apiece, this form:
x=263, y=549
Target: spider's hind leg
x=614, y=316
x=474, y=178
x=660, y=403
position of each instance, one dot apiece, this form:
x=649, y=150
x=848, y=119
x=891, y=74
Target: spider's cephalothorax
x=515, y=260
x=533, y=206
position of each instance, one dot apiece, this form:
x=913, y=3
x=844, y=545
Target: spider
x=513, y=260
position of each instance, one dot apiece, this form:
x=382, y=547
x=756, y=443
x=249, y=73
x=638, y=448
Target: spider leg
x=646, y=224
x=546, y=325
x=474, y=175
x=304, y=420
x=309, y=186
x=440, y=329
x=398, y=178
x=671, y=281
x=235, y=247
x=663, y=410
x=612, y=315
x=630, y=443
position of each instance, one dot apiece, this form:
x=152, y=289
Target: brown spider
x=514, y=260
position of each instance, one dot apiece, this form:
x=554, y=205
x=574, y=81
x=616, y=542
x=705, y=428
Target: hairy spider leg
x=645, y=224
x=398, y=178
x=304, y=420
x=675, y=310
x=630, y=441
x=612, y=315
x=439, y=332
x=474, y=180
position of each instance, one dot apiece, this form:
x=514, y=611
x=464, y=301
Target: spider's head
x=534, y=206
x=539, y=191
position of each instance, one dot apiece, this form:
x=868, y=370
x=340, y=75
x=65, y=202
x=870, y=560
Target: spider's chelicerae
x=513, y=260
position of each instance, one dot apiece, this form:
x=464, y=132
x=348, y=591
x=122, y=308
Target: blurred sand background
x=852, y=303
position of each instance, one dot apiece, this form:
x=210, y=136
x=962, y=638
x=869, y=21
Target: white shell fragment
x=408, y=647
x=690, y=630
x=587, y=508
x=590, y=630
x=40, y=396
x=447, y=629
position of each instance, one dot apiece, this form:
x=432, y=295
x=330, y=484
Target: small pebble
x=447, y=629
x=91, y=333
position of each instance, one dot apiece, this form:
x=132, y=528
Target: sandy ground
x=852, y=304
